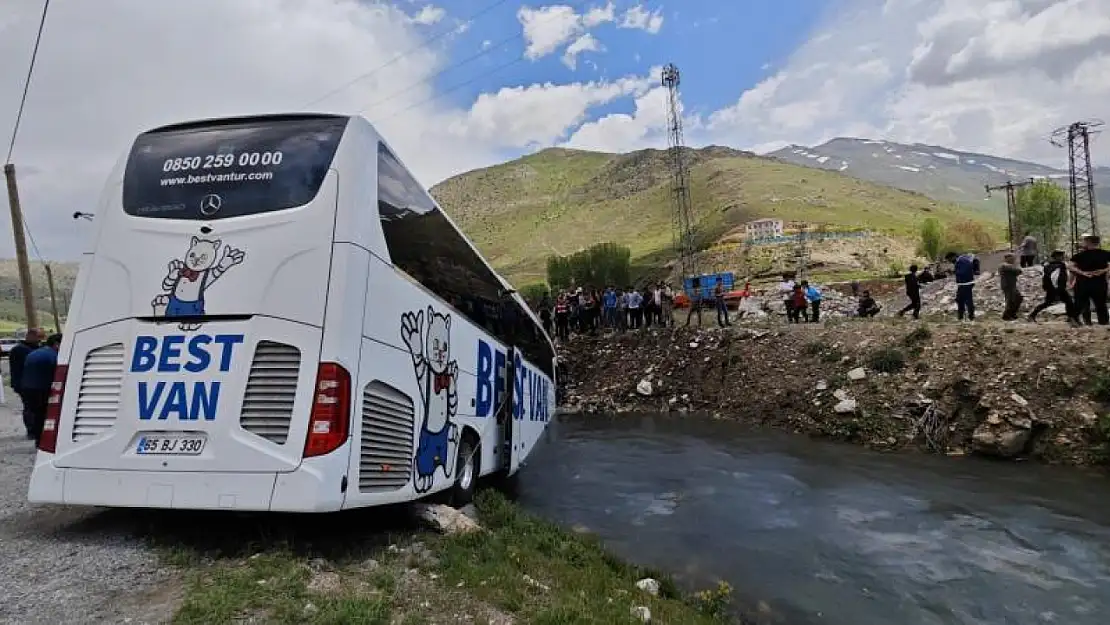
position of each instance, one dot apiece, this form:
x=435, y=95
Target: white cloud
x=429, y=15
x=546, y=29
x=994, y=76
x=585, y=43
x=642, y=19
x=644, y=128
x=148, y=64
x=540, y=115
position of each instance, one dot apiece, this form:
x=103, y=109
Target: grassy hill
x=558, y=201
x=11, y=294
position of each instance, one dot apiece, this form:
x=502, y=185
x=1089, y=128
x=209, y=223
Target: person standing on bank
x=16, y=358
x=965, y=268
x=1028, y=250
x=913, y=291
x=38, y=375
x=719, y=302
x=1090, y=266
x=1008, y=274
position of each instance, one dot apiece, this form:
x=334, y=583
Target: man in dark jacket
x=1055, y=285
x=16, y=357
x=1090, y=267
x=38, y=375
x=1008, y=274
x=966, y=267
x=913, y=291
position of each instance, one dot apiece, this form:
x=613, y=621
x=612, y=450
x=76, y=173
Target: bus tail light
x=330, y=421
x=48, y=441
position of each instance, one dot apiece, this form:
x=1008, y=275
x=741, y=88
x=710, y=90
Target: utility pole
x=1084, y=209
x=801, y=252
x=20, y=247
x=1013, y=221
x=53, y=297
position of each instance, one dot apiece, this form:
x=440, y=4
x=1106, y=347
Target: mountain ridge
x=937, y=171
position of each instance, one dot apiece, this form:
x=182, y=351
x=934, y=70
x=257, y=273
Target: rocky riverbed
x=1008, y=390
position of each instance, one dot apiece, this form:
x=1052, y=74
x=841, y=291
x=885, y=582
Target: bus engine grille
x=271, y=391
x=98, y=397
x=385, y=454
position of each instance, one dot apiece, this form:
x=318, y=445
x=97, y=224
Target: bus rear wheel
x=467, y=465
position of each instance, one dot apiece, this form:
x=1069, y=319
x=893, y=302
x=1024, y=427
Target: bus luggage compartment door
x=230, y=396
x=514, y=411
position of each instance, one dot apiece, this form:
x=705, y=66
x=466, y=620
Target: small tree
x=932, y=238
x=599, y=265
x=967, y=236
x=1042, y=209
x=534, y=293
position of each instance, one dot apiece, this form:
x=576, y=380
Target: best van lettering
x=185, y=400
x=203, y=400
x=166, y=352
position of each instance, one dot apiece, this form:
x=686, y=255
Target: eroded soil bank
x=1009, y=390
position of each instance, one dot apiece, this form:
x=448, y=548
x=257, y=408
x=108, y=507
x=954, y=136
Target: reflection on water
x=832, y=533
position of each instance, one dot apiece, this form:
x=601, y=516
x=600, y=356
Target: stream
x=829, y=533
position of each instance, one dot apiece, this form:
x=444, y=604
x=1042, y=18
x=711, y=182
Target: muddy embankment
x=1014, y=390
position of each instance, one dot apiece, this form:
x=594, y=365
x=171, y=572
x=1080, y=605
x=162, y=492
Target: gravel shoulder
x=64, y=565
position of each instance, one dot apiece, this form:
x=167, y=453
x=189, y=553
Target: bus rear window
x=229, y=169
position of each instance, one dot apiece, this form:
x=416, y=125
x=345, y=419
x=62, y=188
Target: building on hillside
x=761, y=228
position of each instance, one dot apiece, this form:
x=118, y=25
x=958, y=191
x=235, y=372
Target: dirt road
x=64, y=565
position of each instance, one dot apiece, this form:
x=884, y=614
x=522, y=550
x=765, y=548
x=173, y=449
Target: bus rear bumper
x=301, y=490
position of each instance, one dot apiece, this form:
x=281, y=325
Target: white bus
x=274, y=315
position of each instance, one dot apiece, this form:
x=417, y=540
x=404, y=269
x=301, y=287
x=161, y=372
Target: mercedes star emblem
x=210, y=203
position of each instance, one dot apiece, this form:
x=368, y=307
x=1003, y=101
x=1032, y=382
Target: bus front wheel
x=467, y=466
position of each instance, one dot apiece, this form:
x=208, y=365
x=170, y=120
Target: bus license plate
x=170, y=445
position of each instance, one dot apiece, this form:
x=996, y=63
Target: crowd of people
x=31, y=363
x=588, y=310
x=1079, y=283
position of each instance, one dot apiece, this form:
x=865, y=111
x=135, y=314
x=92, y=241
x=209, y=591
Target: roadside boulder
x=644, y=387
x=445, y=519
x=857, y=374
x=641, y=613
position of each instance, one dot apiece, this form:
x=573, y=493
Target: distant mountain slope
x=11, y=298
x=558, y=201
x=938, y=172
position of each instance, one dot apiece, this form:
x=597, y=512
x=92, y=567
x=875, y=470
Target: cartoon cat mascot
x=437, y=377
x=187, y=280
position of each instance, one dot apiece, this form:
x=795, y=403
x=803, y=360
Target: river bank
x=1006, y=390
x=513, y=568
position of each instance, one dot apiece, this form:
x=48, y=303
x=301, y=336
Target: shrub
x=887, y=360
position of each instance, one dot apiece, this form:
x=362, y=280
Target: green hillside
x=11, y=295
x=560, y=201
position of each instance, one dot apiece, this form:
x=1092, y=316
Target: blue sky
x=992, y=76
x=722, y=48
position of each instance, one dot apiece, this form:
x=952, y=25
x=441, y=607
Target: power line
x=495, y=46
x=19, y=116
x=452, y=89
x=402, y=55
x=416, y=84
x=27, y=83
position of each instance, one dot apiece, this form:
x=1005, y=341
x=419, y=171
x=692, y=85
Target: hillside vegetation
x=559, y=201
x=11, y=294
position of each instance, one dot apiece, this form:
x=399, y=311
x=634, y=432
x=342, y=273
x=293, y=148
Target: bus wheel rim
x=467, y=470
